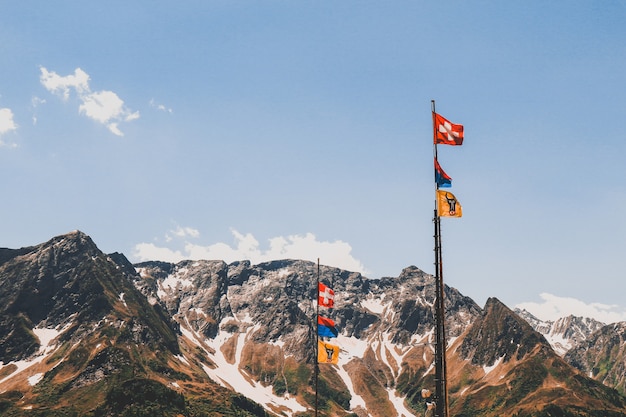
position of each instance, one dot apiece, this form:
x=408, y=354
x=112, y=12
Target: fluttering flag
x=448, y=205
x=447, y=133
x=326, y=296
x=327, y=353
x=326, y=327
x=441, y=178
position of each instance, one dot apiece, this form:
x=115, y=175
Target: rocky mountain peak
x=66, y=282
x=499, y=335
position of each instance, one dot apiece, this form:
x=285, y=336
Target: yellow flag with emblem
x=448, y=205
x=327, y=352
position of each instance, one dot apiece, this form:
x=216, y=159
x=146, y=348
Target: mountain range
x=83, y=333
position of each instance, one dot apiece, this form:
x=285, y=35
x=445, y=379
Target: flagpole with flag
x=325, y=352
x=317, y=335
x=445, y=133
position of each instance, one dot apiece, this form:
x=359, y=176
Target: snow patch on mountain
x=34, y=379
x=231, y=376
x=173, y=282
x=122, y=300
x=283, y=272
x=559, y=343
x=398, y=403
x=46, y=336
x=375, y=305
x=488, y=369
x=355, y=400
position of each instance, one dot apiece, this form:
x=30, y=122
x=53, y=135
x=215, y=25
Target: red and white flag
x=447, y=133
x=326, y=296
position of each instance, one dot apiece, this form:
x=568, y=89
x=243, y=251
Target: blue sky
x=260, y=130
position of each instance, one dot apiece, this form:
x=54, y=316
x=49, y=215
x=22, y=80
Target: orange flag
x=327, y=352
x=448, y=205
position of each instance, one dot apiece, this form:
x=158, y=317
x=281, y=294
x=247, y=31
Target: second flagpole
x=441, y=392
x=317, y=345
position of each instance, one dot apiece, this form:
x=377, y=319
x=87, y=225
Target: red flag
x=326, y=296
x=441, y=178
x=325, y=321
x=447, y=133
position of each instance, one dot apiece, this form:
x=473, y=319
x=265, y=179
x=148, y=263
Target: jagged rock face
x=521, y=374
x=498, y=335
x=280, y=296
x=401, y=306
x=603, y=356
x=592, y=347
x=207, y=338
x=189, y=290
x=66, y=281
x=40, y=287
x=73, y=325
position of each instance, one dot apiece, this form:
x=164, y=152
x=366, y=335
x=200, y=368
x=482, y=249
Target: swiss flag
x=447, y=133
x=326, y=296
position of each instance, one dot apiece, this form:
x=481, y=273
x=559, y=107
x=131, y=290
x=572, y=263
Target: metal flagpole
x=441, y=392
x=317, y=345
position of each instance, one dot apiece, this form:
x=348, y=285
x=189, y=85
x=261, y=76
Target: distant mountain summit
x=564, y=333
x=88, y=334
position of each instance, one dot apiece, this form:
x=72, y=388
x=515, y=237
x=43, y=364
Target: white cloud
x=6, y=121
x=104, y=106
x=247, y=247
x=149, y=251
x=553, y=307
x=62, y=85
x=7, y=124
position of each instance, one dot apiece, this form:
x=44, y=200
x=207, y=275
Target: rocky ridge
x=195, y=338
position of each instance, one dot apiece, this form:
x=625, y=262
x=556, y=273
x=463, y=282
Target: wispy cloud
x=247, y=247
x=553, y=307
x=7, y=124
x=104, y=106
x=159, y=106
x=34, y=103
x=183, y=232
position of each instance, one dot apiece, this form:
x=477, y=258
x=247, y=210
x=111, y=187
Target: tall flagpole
x=441, y=391
x=317, y=345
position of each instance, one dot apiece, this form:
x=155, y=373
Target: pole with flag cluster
x=446, y=205
x=325, y=352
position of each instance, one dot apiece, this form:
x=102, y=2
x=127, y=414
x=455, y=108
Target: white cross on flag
x=326, y=296
x=447, y=133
